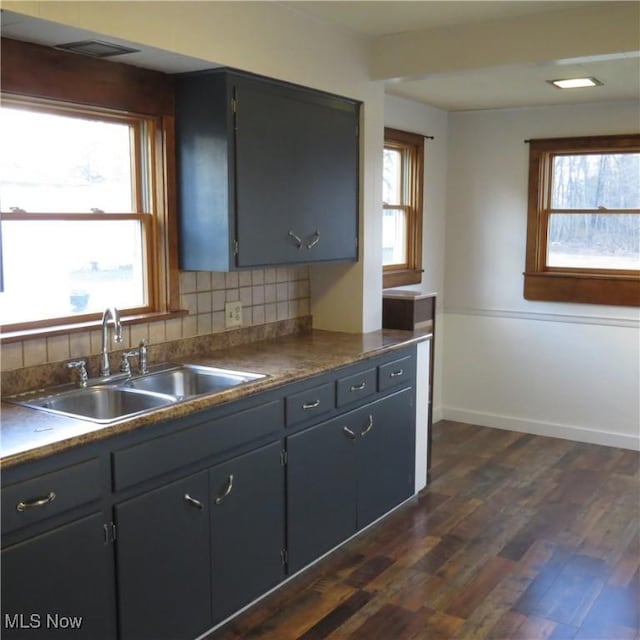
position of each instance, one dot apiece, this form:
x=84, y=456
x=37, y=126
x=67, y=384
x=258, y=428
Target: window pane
x=62, y=268
x=392, y=177
x=394, y=237
x=61, y=164
x=590, y=181
x=594, y=240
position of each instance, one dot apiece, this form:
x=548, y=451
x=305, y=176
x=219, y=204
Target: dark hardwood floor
x=516, y=537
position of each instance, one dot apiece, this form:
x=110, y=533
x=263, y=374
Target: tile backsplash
x=267, y=295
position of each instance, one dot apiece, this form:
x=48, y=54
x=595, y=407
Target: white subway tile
x=204, y=302
x=245, y=296
x=203, y=281
x=257, y=294
x=270, y=314
x=258, y=314
x=187, y=281
x=204, y=323
x=218, y=299
x=58, y=348
x=231, y=280
x=79, y=344
x=11, y=356
x=35, y=352
x=218, y=280
x=244, y=278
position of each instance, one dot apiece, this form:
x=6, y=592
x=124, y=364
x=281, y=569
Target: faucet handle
x=142, y=356
x=81, y=365
x=125, y=365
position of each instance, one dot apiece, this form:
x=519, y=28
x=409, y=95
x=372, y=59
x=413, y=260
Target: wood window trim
x=411, y=272
x=611, y=287
x=35, y=72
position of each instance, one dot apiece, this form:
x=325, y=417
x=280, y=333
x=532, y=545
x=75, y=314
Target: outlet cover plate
x=232, y=314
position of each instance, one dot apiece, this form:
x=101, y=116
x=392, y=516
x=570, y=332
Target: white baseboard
x=437, y=414
x=566, y=432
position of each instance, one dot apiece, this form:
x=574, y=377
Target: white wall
x=408, y=115
x=276, y=40
x=557, y=369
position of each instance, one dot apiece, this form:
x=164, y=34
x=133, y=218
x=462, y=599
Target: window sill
x=400, y=278
x=583, y=288
x=47, y=332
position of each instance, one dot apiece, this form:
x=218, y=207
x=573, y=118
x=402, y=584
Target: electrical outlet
x=232, y=314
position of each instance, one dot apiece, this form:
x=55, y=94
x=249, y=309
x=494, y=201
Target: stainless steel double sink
x=126, y=396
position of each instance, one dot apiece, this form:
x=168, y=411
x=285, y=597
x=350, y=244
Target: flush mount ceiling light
x=96, y=48
x=575, y=83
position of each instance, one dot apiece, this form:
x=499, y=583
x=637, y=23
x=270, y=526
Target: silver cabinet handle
x=227, y=490
x=349, y=433
x=395, y=374
x=36, y=502
x=297, y=238
x=193, y=502
x=368, y=428
x=314, y=242
x=358, y=387
x=311, y=405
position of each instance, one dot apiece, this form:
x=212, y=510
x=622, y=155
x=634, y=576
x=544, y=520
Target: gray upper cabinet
x=267, y=173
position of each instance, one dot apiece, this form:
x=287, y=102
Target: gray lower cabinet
x=247, y=528
x=162, y=535
x=163, y=556
x=191, y=552
x=59, y=584
x=344, y=473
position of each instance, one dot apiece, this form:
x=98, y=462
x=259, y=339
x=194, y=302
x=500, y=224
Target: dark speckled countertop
x=28, y=434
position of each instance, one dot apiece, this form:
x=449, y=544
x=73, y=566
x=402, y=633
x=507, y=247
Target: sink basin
x=185, y=381
x=119, y=397
x=100, y=403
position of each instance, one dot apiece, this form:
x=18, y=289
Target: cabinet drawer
x=307, y=404
x=47, y=495
x=174, y=451
x=356, y=386
x=395, y=373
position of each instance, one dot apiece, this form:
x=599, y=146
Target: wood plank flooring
x=517, y=537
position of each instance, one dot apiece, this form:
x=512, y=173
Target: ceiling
x=454, y=55
x=380, y=18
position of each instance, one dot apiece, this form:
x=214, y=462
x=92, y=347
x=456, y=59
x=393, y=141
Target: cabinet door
x=385, y=454
x=59, y=584
x=296, y=171
x=163, y=562
x=321, y=490
x=247, y=528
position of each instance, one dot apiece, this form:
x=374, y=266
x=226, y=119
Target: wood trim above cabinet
x=39, y=71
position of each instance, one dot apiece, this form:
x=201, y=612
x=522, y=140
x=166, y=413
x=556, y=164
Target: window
x=583, y=229
x=84, y=197
x=77, y=216
x=402, y=182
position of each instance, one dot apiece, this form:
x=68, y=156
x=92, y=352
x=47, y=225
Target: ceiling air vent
x=96, y=48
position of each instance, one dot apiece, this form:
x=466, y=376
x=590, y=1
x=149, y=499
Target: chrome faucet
x=109, y=312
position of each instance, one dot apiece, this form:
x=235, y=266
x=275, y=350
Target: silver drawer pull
x=395, y=374
x=36, y=502
x=349, y=433
x=193, y=502
x=297, y=238
x=311, y=405
x=227, y=490
x=368, y=428
x=358, y=387
x=314, y=242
